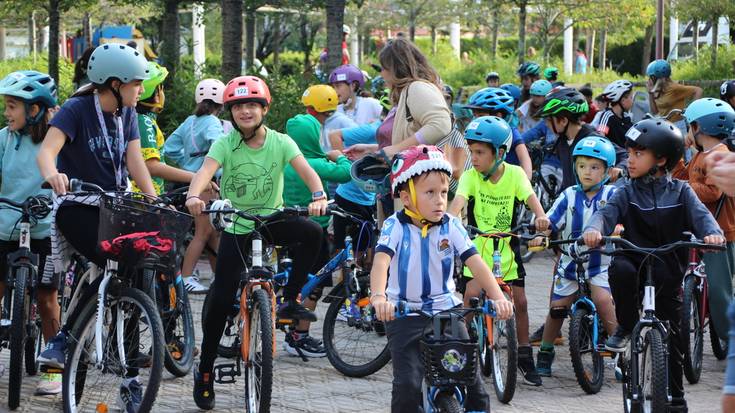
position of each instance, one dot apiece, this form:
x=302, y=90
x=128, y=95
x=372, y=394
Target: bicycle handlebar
x=77, y=185
x=403, y=309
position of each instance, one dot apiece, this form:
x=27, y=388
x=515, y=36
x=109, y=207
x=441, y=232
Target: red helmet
x=415, y=161
x=244, y=89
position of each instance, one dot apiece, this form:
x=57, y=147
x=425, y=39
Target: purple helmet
x=348, y=74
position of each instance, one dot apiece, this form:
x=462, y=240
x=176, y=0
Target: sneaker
x=343, y=314
x=193, y=286
x=203, y=390
x=291, y=310
x=537, y=336
x=618, y=342
x=49, y=383
x=543, y=362
x=55, y=352
x=306, y=346
x=525, y=365
x=678, y=404
x=131, y=395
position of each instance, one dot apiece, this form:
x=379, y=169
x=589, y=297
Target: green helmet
x=116, y=61
x=157, y=75
x=565, y=101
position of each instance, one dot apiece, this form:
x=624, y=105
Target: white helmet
x=211, y=89
x=346, y=29
x=615, y=90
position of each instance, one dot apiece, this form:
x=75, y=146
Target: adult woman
x=665, y=95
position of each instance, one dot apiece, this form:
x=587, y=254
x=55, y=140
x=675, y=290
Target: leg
x=408, y=370
x=521, y=313
x=213, y=243
x=202, y=232
x=624, y=286
x=48, y=307
x=605, y=307
x=555, y=320
x=668, y=307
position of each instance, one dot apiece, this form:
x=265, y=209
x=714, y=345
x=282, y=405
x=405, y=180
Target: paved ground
x=316, y=387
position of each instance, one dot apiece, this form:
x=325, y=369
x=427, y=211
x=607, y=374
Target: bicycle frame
x=696, y=268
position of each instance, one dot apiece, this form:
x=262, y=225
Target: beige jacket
x=430, y=114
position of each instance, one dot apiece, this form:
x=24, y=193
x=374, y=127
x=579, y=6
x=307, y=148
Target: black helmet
x=448, y=91
x=528, y=69
x=564, y=101
x=727, y=90
x=660, y=136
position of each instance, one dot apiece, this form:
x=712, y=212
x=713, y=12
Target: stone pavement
x=317, y=387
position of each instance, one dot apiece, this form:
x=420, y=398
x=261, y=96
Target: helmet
x=244, y=89
x=211, y=89
x=156, y=75
x=540, y=87
x=30, y=87
x=371, y=174
x=323, y=98
x=348, y=74
x=377, y=86
x=658, y=69
x=713, y=116
x=448, y=91
x=551, y=73
x=615, y=90
x=494, y=131
x=415, y=161
x=596, y=147
x=660, y=136
x=528, y=69
x=492, y=75
x=346, y=29
x=564, y=101
x=514, y=90
x=493, y=99
x=727, y=90
x=116, y=61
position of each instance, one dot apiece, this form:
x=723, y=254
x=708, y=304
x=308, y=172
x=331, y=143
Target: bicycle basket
x=131, y=228
x=449, y=362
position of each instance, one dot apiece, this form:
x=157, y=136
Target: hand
x=213, y=187
x=503, y=309
x=618, y=230
x=714, y=239
x=721, y=171
x=359, y=150
x=542, y=223
x=333, y=155
x=195, y=205
x=536, y=242
x=59, y=183
x=318, y=207
x=390, y=151
x=649, y=85
x=384, y=309
x=592, y=238
x=615, y=173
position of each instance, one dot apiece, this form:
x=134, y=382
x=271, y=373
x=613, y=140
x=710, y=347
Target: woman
x=665, y=95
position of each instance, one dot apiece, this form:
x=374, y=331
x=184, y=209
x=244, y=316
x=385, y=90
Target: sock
x=547, y=347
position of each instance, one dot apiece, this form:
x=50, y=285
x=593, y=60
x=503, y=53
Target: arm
x=457, y=157
x=335, y=139
x=457, y=204
x=173, y=148
x=199, y=183
x=337, y=169
x=701, y=221
x=46, y=158
x=524, y=159
x=137, y=168
x=167, y=172
x=312, y=181
x=697, y=92
x=606, y=219
x=541, y=221
x=385, y=311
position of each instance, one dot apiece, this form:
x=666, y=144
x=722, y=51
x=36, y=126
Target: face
x=590, y=171
x=537, y=100
x=344, y=91
x=388, y=76
x=626, y=102
x=556, y=124
x=15, y=113
x=431, y=195
x=640, y=161
x=526, y=81
x=493, y=82
x=248, y=115
x=482, y=156
x=130, y=92
x=448, y=99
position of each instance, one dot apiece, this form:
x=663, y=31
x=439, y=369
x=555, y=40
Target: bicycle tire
x=260, y=358
x=445, y=402
x=33, y=347
x=580, y=335
x=174, y=308
x=504, y=383
x=692, y=335
x=483, y=353
x=17, y=337
x=229, y=344
x=371, y=363
x=653, y=351
x=82, y=334
x=719, y=346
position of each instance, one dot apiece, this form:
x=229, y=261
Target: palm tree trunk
x=171, y=37
x=231, y=39
x=335, y=21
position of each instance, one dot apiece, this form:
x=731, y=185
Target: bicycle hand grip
x=489, y=308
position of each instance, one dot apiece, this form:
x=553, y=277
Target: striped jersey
x=568, y=216
x=421, y=269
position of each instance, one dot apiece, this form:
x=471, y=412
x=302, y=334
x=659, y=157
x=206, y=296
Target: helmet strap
x=118, y=98
x=417, y=215
x=595, y=187
x=498, y=161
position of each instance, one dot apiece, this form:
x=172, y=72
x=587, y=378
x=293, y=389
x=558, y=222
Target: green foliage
x=693, y=70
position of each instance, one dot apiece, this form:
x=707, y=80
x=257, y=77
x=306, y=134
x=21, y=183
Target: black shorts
x=42, y=247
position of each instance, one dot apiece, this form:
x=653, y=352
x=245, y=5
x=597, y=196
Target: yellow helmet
x=323, y=98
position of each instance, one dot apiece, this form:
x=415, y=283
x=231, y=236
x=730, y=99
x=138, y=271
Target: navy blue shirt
x=85, y=155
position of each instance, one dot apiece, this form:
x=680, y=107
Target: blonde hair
x=407, y=64
x=661, y=85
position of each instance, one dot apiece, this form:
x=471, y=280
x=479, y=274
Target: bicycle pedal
x=50, y=369
x=285, y=321
x=225, y=373
x=606, y=353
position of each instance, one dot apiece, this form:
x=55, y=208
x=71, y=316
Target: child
x=420, y=178
x=710, y=122
x=615, y=120
x=528, y=73
x=347, y=81
x=492, y=79
x=195, y=136
x=593, y=157
x=527, y=113
x=29, y=98
x=253, y=158
x=727, y=92
x=655, y=210
x=495, y=186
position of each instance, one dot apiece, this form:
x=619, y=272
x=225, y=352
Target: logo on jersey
x=443, y=246
x=601, y=204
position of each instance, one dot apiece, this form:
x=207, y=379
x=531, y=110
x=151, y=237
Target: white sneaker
x=343, y=314
x=193, y=286
x=49, y=383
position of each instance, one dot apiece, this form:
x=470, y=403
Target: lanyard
x=193, y=138
x=118, y=167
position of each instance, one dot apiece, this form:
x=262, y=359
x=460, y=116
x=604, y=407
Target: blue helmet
x=658, y=69
x=713, y=116
x=492, y=99
x=599, y=148
x=514, y=90
x=540, y=87
x=371, y=174
x=116, y=61
x=32, y=88
x=493, y=131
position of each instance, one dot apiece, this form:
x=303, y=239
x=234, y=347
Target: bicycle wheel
x=652, y=382
x=692, y=336
x=259, y=367
x=589, y=367
x=355, y=341
x=19, y=314
x=131, y=327
x=34, y=344
x=483, y=353
x=719, y=346
x=445, y=402
x=229, y=344
x=504, y=358
x=178, y=324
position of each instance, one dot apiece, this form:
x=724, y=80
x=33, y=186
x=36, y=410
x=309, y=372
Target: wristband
x=192, y=197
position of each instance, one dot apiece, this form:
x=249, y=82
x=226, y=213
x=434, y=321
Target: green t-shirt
x=493, y=210
x=151, y=142
x=253, y=178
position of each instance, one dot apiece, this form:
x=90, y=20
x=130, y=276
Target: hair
x=80, y=68
x=489, y=145
x=407, y=64
x=404, y=186
x=38, y=131
x=207, y=107
x=586, y=91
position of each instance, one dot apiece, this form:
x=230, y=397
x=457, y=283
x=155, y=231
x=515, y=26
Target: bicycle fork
x=110, y=269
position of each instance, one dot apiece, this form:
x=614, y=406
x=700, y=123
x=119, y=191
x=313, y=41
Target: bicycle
x=20, y=330
x=644, y=366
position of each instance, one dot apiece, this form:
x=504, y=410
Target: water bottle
x=497, y=268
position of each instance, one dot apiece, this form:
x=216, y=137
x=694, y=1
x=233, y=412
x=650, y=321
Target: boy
x=616, y=120
x=492, y=79
x=528, y=73
x=528, y=110
x=710, y=122
x=655, y=210
x=495, y=186
x=593, y=157
x=417, y=246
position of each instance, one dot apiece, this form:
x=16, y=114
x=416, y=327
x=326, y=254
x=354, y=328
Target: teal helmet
x=551, y=73
x=31, y=87
x=528, y=69
x=116, y=61
x=493, y=131
x=540, y=87
x=658, y=69
x=599, y=148
x=713, y=116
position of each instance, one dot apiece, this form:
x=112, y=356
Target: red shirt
x=591, y=114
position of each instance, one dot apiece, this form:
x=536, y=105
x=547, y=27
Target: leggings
x=303, y=236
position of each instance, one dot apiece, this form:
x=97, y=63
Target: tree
x=335, y=21
x=705, y=10
x=231, y=38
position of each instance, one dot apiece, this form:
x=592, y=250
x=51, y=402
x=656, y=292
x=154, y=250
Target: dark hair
x=80, y=68
x=407, y=64
x=586, y=91
x=207, y=107
x=38, y=131
x=489, y=145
